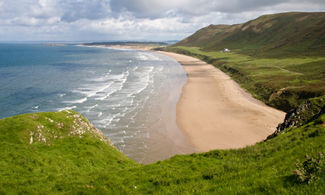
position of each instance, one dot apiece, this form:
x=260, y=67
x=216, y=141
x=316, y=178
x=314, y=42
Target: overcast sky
x=99, y=20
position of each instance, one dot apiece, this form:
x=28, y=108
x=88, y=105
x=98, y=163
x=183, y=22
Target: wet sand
x=215, y=113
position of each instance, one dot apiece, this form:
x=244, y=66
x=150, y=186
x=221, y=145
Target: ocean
x=130, y=95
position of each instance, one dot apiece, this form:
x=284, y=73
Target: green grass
x=283, y=83
x=73, y=162
x=57, y=156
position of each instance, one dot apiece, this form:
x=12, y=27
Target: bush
x=309, y=170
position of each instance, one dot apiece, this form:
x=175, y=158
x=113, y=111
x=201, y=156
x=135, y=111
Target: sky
x=139, y=20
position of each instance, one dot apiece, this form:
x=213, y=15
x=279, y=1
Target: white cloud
x=130, y=19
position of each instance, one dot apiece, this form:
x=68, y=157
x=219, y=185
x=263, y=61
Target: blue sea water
x=125, y=93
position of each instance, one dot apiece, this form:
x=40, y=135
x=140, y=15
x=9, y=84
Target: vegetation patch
x=310, y=170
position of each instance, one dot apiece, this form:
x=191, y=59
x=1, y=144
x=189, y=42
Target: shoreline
x=165, y=138
x=215, y=113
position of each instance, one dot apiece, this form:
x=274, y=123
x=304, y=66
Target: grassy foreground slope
x=53, y=152
x=62, y=153
x=278, y=58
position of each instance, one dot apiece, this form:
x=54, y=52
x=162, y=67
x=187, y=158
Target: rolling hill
x=278, y=58
x=276, y=35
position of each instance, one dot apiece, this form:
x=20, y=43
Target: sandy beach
x=215, y=113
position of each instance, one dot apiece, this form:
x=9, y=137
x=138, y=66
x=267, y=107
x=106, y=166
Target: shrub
x=309, y=170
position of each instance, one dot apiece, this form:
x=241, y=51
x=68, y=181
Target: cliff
x=303, y=114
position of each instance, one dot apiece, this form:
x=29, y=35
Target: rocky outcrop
x=306, y=112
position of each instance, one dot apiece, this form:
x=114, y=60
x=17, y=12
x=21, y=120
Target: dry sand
x=215, y=113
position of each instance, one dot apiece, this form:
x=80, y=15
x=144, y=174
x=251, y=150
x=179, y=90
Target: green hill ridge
x=275, y=35
x=278, y=58
x=61, y=152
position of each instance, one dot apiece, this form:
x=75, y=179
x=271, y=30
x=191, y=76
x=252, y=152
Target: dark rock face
x=301, y=115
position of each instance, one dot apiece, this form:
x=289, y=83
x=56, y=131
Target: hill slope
x=53, y=152
x=279, y=58
x=276, y=35
x=50, y=153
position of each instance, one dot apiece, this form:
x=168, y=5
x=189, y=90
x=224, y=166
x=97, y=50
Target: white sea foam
x=128, y=136
x=114, y=105
x=116, y=86
x=66, y=108
x=116, y=120
x=102, y=78
x=142, y=56
x=61, y=94
x=113, y=90
x=104, y=123
x=144, y=77
x=77, y=101
x=160, y=68
x=91, y=90
x=98, y=79
x=117, y=77
x=118, y=133
x=92, y=107
x=148, y=56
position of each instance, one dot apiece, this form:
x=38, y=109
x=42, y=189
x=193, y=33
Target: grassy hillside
x=276, y=35
x=283, y=83
x=61, y=152
x=278, y=58
x=53, y=152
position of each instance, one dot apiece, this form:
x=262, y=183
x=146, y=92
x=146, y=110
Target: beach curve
x=215, y=113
